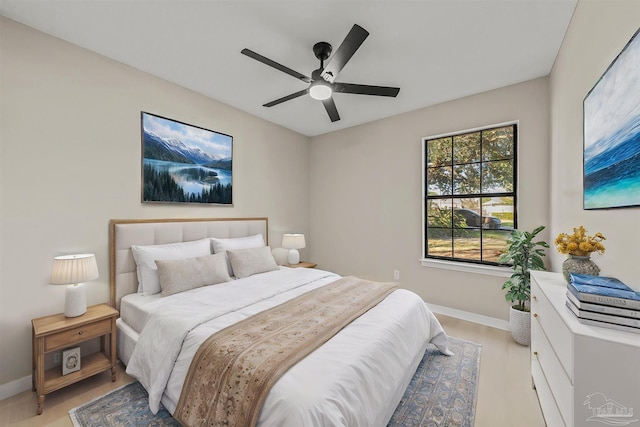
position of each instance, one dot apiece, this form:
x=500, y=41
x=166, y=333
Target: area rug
x=442, y=393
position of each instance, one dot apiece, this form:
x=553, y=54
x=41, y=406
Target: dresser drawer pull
x=535, y=353
x=79, y=332
x=535, y=314
x=535, y=298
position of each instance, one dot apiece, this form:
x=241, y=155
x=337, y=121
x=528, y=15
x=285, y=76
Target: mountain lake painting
x=612, y=134
x=183, y=163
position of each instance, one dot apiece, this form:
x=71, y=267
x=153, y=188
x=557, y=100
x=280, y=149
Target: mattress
x=134, y=309
x=126, y=340
x=356, y=378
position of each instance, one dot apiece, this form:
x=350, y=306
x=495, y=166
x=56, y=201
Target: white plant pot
x=520, y=323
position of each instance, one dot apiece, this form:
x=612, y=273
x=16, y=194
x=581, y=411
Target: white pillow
x=246, y=262
x=221, y=245
x=180, y=275
x=146, y=256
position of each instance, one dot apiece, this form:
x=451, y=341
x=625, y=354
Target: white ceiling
x=434, y=50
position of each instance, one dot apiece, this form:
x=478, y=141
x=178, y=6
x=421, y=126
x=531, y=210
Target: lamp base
x=75, y=303
x=294, y=256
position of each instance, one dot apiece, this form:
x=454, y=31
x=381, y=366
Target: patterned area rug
x=442, y=393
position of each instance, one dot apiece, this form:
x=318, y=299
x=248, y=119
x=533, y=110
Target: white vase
x=520, y=323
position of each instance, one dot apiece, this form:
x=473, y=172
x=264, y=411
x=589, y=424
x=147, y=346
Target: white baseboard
x=470, y=317
x=15, y=387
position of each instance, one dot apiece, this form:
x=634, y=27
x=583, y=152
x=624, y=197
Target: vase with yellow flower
x=579, y=246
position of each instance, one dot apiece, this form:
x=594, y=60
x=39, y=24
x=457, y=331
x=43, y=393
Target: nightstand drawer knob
x=535, y=298
x=535, y=314
x=79, y=332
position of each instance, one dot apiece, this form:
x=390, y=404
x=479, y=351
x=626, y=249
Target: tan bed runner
x=234, y=369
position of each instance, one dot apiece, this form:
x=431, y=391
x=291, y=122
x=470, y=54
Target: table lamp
x=293, y=242
x=74, y=270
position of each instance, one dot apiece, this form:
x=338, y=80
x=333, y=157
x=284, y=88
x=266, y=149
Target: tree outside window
x=470, y=194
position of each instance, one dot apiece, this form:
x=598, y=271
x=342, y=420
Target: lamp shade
x=293, y=241
x=73, y=269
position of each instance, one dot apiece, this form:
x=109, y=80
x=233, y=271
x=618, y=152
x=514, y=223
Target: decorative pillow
x=183, y=274
x=222, y=245
x=146, y=256
x=246, y=262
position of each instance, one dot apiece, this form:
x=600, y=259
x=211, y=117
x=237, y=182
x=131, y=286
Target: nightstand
x=303, y=264
x=57, y=332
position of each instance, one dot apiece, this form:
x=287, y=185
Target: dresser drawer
x=556, y=331
x=550, y=410
x=76, y=335
x=557, y=380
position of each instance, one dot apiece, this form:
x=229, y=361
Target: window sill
x=489, y=270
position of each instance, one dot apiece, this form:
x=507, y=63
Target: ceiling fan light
x=320, y=90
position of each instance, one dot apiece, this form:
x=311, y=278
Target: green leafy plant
x=524, y=255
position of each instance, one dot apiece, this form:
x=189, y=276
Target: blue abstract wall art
x=612, y=134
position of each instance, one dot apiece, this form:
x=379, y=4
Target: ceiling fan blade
x=365, y=89
x=280, y=67
x=286, y=98
x=332, y=111
x=351, y=43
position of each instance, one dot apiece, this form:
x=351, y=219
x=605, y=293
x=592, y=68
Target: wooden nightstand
x=57, y=332
x=303, y=264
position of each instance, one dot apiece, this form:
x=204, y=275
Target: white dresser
x=584, y=375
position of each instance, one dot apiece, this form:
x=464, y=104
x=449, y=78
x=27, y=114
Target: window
x=469, y=194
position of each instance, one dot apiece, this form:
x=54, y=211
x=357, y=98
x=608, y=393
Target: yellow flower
x=579, y=243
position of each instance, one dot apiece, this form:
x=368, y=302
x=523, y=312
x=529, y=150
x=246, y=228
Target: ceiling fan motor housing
x=322, y=50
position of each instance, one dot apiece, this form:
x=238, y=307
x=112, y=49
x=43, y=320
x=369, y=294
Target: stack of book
x=604, y=301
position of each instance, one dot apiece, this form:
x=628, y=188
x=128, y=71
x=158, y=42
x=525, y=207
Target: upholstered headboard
x=123, y=233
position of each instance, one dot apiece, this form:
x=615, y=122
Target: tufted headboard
x=123, y=233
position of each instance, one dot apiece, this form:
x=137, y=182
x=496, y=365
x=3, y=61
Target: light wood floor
x=505, y=396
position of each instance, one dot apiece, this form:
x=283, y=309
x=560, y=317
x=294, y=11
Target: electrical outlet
x=56, y=358
x=396, y=274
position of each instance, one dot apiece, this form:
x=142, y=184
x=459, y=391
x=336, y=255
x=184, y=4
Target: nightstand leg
x=40, y=375
x=34, y=358
x=40, y=403
x=112, y=349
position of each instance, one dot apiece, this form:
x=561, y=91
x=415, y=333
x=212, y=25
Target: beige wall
x=598, y=32
x=366, y=202
x=70, y=161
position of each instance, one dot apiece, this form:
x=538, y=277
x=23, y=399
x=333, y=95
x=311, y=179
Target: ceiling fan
x=322, y=83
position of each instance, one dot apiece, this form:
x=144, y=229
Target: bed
x=357, y=377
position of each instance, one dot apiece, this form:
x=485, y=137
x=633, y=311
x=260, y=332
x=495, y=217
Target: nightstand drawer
x=76, y=335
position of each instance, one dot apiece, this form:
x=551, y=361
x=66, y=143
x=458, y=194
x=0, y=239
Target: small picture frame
x=70, y=360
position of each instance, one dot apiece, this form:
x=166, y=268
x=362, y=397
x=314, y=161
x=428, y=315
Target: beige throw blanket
x=234, y=369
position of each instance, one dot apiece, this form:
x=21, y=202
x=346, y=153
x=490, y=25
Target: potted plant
x=524, y=255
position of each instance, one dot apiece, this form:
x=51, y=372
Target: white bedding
x=357, y=378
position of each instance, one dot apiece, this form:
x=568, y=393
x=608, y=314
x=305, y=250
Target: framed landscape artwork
x=612, y=134
x=182, y=163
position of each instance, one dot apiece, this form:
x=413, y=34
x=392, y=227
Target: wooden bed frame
x=123, y=233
